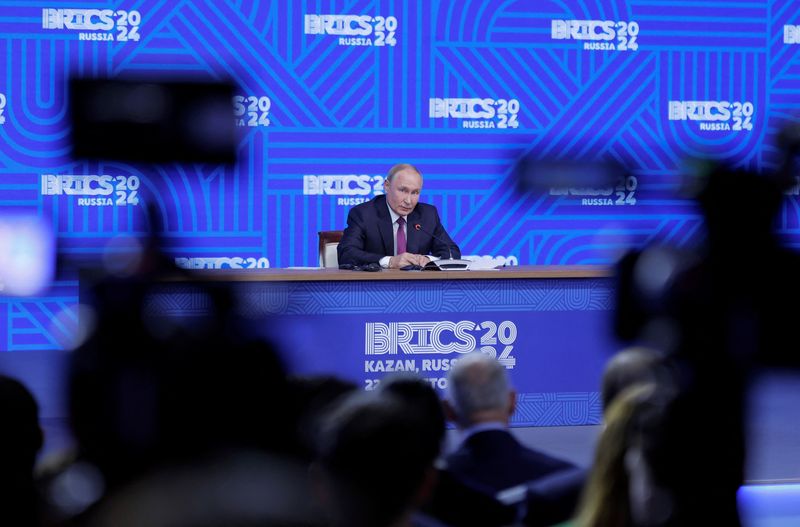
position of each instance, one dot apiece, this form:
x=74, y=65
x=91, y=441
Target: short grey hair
x=477, y=382
x=401, y=166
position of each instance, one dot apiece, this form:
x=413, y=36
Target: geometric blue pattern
x=461, y=89
x=557, y=409
x=396, y=296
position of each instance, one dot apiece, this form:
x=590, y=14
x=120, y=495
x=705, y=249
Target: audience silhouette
x=480, y=402
x=20, y=441
x=376, y=459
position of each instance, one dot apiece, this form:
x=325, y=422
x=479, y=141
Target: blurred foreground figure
x=451, y=501
x=651, y=469
x=314, y=397
x=715, y=311
x=375, y=461
x=629, y=367
x=20, y=441
x=179, y=421
x=419, y=395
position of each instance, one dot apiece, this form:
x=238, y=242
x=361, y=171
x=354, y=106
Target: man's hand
x=404, y=259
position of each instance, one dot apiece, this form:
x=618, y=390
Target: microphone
x=448, y=264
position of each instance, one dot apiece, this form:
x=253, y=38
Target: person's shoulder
x=377, y=201
x=426, y=210
x=426, y=206
x=503, y=435
x=458, y=453
x=484, y=441
x=370, y=206
x=545, y=460
x=505, y=441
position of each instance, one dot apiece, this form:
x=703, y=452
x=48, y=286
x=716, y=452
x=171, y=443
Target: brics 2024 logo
x=2, y=108
x=476, y=112
x=623, y=192
x=715, y=116
x=95, y=24
x=94, y=190
x=354, y=30
x=598, y=34
x=443, y=337
x=251, y=110
x=351, y=189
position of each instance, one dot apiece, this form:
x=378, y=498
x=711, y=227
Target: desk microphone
x=448, y=264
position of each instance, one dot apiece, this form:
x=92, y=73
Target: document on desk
x=482, y=265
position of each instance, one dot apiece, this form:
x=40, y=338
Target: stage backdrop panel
x=332, y=93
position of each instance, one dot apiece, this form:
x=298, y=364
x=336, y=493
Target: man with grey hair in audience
x=480, y=402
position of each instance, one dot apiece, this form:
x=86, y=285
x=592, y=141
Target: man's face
x=402, y=192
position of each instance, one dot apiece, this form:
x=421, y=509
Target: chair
x=328, y=242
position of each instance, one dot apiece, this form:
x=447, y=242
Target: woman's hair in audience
x=606, y=499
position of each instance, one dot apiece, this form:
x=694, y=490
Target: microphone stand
x=445, y=264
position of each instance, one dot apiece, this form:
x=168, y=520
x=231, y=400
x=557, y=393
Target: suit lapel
x=385, y=225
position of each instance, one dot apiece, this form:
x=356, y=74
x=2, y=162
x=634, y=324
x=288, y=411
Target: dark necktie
x=401, y=235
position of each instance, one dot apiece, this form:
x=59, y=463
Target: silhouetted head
x=626, y=368
x=313, y=398
x=373, y=465
x=419, y=395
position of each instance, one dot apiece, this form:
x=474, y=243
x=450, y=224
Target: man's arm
x=352, y=247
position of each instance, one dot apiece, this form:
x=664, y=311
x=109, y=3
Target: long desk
x=550, y=326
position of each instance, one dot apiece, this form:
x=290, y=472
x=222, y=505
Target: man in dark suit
x=395, y=230
x=480, y=402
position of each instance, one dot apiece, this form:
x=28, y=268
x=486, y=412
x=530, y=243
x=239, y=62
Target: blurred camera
x=152, y=121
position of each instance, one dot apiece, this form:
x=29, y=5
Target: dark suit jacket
x=554, y=499
x=459, y=504
x=369, y=237
x=495, y=460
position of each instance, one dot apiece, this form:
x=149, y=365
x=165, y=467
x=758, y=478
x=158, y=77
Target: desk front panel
x=553, y=335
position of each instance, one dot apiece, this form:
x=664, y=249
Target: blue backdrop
x=332, y=93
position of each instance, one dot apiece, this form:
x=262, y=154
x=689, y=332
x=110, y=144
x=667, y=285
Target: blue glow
x=769, y=505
